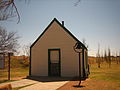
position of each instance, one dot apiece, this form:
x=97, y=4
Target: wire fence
x=18, y=68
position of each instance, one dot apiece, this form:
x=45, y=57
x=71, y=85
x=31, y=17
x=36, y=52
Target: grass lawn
x=16, y=74
x=18, y=70
x=103, y=78
x=105, y=73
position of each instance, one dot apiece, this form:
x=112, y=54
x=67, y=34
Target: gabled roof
x=63, y=28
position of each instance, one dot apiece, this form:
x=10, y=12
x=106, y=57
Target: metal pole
x=8, y=66
x=79, y=70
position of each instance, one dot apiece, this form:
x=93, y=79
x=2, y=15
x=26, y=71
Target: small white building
x=52, y=54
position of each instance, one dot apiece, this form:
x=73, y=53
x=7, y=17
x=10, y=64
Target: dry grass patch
x=103, y=78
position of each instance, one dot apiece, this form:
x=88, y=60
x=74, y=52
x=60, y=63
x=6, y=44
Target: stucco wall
x=54, y=38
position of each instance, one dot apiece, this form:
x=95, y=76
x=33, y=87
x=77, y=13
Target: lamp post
x=78, y=49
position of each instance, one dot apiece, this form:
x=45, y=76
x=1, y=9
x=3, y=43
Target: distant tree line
x=107, y=57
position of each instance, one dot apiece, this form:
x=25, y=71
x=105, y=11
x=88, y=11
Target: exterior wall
x=81, y=58
x=86, y=64
x=52, y=39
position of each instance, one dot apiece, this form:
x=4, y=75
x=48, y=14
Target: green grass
x=18, y=70
x=15, y=73
x=105, y=73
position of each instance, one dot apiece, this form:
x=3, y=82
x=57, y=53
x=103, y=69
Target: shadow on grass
x=5, y=81
x=78, y=86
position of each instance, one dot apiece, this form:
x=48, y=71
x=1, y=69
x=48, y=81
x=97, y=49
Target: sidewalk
x=42, y=83
x=20, y=83
x=45, y=86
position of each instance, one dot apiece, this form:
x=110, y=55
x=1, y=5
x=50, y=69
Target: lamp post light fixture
x=78, y=48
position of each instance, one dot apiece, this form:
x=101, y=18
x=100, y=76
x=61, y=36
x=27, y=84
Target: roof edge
x=62, y=27
x=43, y=32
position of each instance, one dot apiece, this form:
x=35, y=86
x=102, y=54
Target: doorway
x=54, y=62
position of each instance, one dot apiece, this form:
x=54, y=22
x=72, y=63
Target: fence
x=18, y=68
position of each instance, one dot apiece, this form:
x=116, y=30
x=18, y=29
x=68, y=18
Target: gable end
x=63, y=28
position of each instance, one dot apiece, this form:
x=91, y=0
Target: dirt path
x=90, y=84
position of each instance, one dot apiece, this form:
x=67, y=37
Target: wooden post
x=8, y=66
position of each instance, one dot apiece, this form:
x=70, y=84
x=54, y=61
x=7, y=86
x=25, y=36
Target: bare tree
x=116, y=58
x=109, y=57
x=98, y=56
x=101, y=57
x=8, y=9
x=76, y=3
x=105, y=56
x=84, y=42
x=26, y=50
x=119, y=57
x=8, y=41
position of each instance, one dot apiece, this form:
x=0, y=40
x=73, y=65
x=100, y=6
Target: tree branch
x=6, y=10
x=17, y=12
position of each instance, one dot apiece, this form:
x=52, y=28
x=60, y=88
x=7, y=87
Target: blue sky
x=98, y=21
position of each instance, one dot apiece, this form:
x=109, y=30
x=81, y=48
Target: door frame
x=49, y=69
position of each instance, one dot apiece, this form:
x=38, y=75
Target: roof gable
x=55, y=20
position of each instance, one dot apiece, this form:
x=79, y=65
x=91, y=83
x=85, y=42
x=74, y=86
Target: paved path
x=45, y=86
x=20, y=83
x=23, y=82
x=36, y=85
